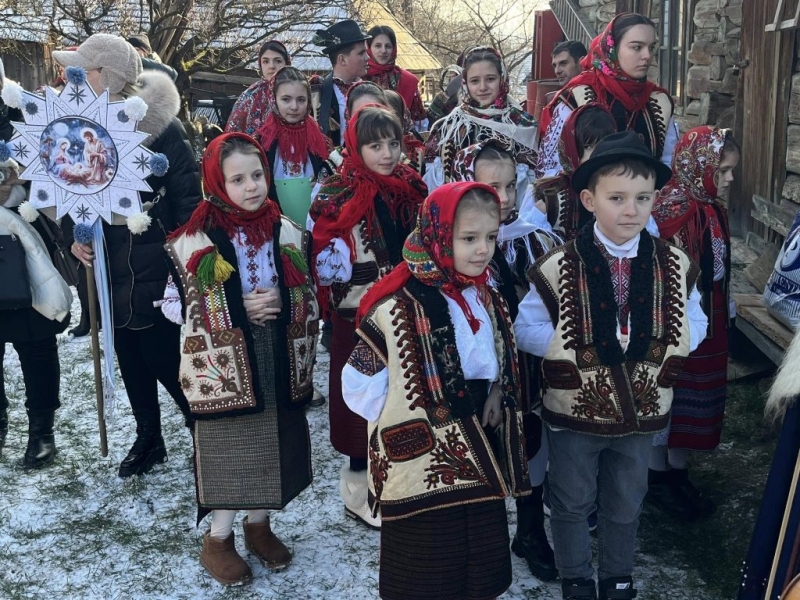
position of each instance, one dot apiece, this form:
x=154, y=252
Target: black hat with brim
x=339, y=35
x=616, y=148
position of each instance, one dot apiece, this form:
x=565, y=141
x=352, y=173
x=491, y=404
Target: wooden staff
x=784, y=525
x=98, y=378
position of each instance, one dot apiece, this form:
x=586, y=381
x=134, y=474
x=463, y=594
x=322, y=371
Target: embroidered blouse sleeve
x=171, y=304
x=549, y=163
x=333, y=263
x=698, y=321
x=533, y=328
x=365, y=382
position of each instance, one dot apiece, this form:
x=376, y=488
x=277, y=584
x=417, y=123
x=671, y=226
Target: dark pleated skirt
x=261, y=460
x=453, y=553
x=698, y=403
x=348, y=430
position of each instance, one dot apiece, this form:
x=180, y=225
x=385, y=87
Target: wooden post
x=98, y=377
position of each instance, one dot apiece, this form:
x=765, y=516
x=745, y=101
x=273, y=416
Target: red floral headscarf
x=694, y=166
x=603, y=74
x=295, y=140
x=217, y=211
x=428, y=253
x=348, y=196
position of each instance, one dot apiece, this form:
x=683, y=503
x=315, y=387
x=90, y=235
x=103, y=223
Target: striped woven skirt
x=698, y=404
x=261, y=460
x=454, y=553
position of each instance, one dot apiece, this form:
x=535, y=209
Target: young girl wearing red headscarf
x=252, y=107
x=615, y=76
x=241, y=284
x=435, y=374
x=295, y=145
x=383, y=70
x=487, y=111
x=361, y=217
x=689, y=215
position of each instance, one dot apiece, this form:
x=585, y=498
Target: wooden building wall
x=29, y=64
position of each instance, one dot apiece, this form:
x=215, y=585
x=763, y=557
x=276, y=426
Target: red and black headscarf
x=603, y=74
x=428, y=253
x=295, y=140
x=217, y=211
x=348, y=196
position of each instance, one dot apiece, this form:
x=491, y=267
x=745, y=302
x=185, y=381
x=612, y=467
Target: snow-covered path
x=75, y=530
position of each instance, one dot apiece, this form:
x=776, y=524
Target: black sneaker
x=617, y=588
x=702, y=505
x=578, y=589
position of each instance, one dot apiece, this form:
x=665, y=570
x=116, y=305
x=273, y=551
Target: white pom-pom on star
x=135, y=108
x=28, y=212
x=139, y=222
x=12, y=94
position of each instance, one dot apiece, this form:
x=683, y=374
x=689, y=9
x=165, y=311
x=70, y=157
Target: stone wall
x=714, y=56
x=791, y=189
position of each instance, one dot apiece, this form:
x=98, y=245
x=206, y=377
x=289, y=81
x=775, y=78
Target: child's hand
x=493, y=410
x=83, y=252
x=262, y=305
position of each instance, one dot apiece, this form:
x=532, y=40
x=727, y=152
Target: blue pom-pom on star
x=76, y=75
x=159, y=164
x=83, y=233
x=5, y=152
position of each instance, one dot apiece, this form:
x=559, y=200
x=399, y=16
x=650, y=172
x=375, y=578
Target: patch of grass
x=733, y=477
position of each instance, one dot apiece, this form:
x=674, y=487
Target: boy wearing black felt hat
x=614, y=313
x=344, y=43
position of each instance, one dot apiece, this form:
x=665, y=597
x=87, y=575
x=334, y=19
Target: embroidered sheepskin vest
x=217, y=352
x=590, y=384
x=371, y=264
x=651, y=125
x=428, y=450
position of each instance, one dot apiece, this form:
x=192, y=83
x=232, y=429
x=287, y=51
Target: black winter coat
x=138, y=263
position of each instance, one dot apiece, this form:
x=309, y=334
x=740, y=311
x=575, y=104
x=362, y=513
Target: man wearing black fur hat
x=344, y=43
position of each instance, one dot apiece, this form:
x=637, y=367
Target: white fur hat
x=117, y=59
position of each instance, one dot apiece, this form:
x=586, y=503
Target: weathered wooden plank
x=759, y=244
x=770, y=349
x=758, y=272
x=768, y=334
x=772, y=215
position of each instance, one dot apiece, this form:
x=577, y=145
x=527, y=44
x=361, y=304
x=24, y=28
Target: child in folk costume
x=296, y=147
x=435, y=374
x=358, y=95
x=253, y=106
x=614, y=313
x=383, y=70
x=361, y=217
x=519, y=244
x=486, y=111
x=615, y=75
x=413, y=144
x=583, y=129
x=247, y=359
x=690, y=216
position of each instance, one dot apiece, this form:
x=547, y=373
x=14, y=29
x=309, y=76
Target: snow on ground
x=75, y=530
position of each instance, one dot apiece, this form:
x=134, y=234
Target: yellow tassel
x=222, y=269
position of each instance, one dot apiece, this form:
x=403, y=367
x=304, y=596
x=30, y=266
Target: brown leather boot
x=259, y=539
x=223, y=563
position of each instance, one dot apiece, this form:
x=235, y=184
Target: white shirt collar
x=628, y=249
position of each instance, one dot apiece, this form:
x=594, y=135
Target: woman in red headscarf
x=383, y=70
x=361, y=217
x=689, y=215
x=252, y=107
x=615, y=76
x=435, y=373
x=241, y=284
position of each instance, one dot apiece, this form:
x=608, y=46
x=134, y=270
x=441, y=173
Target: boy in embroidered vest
x=614, y=313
